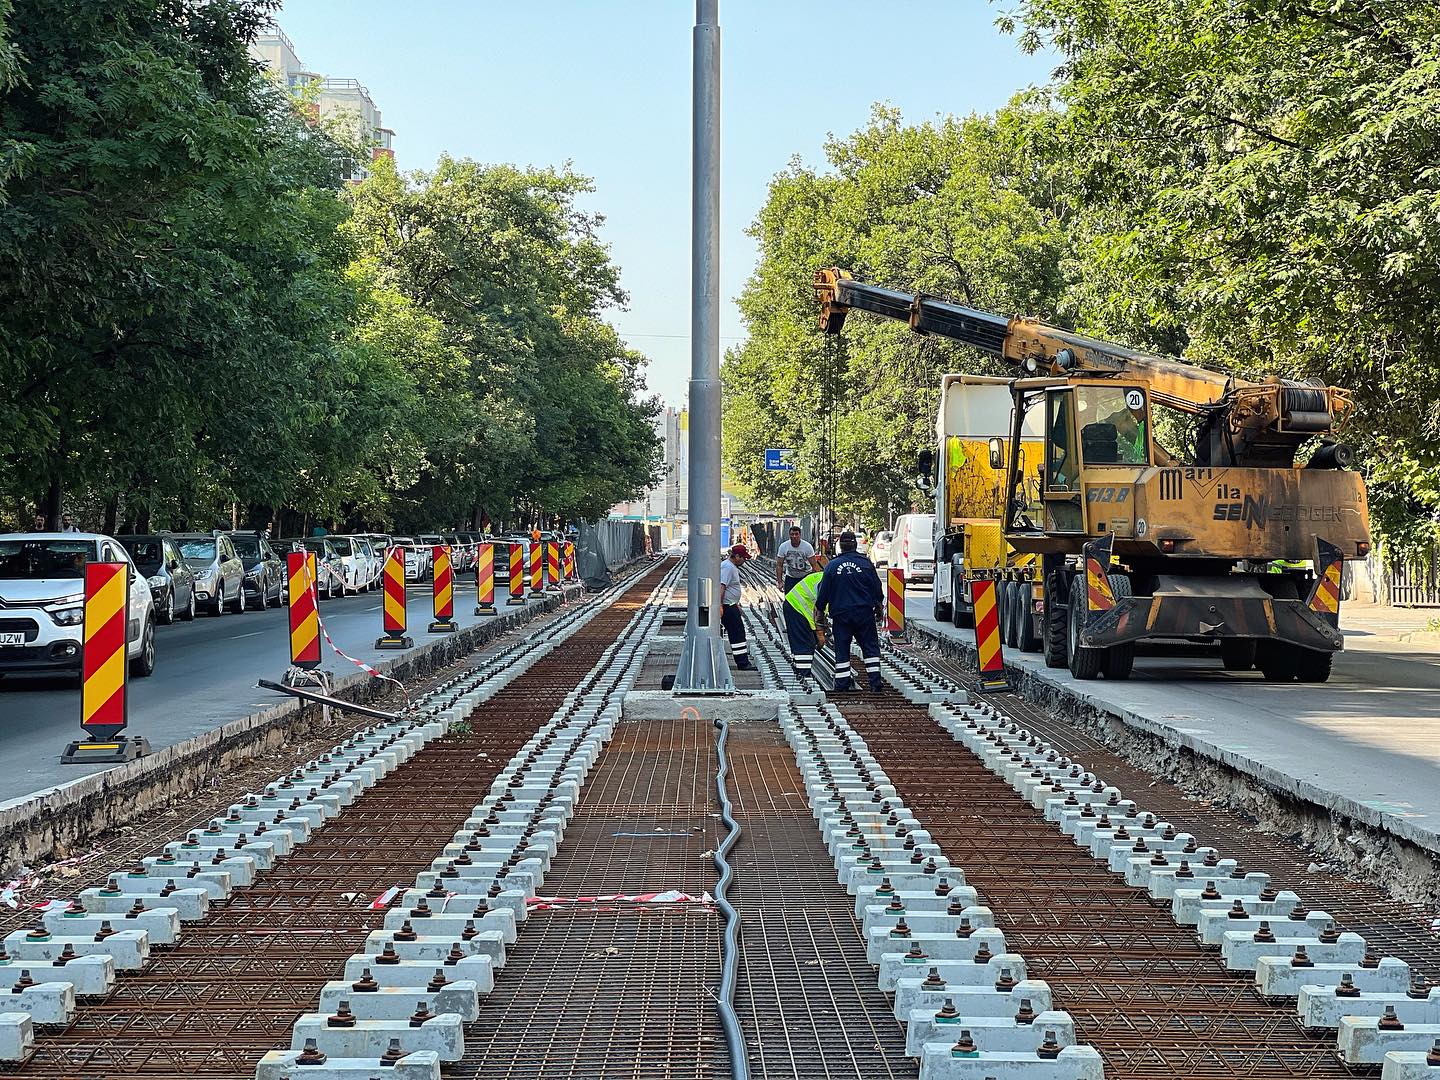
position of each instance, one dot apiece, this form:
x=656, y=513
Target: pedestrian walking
x=850, y=589
x=730, y=605
x=794, y=559
x=801, y=625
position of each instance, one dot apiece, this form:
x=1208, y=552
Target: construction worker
x=850, y=589
x=730, y=605
x=801, y=626
x=793, y=560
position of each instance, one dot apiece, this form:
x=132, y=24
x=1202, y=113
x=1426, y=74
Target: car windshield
x=315, y=545
x=148, y=554
x=247, y=547
x=340, y=544
x=33, y=559
x=198, y=550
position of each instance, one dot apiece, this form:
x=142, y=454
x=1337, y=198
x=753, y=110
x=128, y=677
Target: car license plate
x=12, y=639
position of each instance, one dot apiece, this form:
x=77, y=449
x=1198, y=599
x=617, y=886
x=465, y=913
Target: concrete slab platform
x=284, y=1065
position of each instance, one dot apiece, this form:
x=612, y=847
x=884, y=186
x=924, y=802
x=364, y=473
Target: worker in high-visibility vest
x=801, y=625
x=850, y=590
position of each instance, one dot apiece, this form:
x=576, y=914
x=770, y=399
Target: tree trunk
x=51, y=507
x=142, y=520
x=112, y=510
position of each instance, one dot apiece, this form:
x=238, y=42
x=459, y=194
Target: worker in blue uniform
x=850, y=589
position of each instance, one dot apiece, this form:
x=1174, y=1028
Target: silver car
x=218, y=569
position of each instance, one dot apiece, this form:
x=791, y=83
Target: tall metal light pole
x=703, y=666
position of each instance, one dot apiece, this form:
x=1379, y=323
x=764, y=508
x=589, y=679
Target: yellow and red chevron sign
x=552, y=564
x=517, y=575
x=304, y=610
x=443, y=583
x=1098, y=594
x=485, y=580
x=1329, y=562
x=987, y=638
x=537, y=568
x=393, y=607
x=103, y=664
x=894, y=601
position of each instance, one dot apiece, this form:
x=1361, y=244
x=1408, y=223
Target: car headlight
x=156, y=582
x=73, y=615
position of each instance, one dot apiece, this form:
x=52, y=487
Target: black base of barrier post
x=485, y=609
x=515, y=601
x=444, y=626
x=114, y=751
x=397, y=641
x=994, y=683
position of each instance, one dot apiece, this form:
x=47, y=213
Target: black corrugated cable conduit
x=730, y=949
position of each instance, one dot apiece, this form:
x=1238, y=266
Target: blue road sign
x=775, y=460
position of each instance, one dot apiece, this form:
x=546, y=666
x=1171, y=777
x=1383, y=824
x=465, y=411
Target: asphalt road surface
x=205, y=675
x=1371, y=734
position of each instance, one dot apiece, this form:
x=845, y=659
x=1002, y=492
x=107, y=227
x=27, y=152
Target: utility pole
x=703, y=665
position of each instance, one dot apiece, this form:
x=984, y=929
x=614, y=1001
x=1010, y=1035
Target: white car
x=42, y=602
x=355, y=564
x=880, y=549
x=417, y=558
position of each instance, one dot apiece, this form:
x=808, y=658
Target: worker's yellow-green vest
x=802, y=596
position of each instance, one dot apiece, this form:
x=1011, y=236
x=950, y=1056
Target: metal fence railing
x=1414, y=581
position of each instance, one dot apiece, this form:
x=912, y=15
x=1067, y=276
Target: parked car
x=42, y=602
x=370, y=561
x=265, y=570
x=219, y=573
x=329, y=566
x=462, y=555
x=417, y=558
x=880, y=549
x=172, y=583
x=354, y=564
x=912, y=551
x=380, y=544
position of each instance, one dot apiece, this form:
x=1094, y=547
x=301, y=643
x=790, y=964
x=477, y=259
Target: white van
x=912, y=551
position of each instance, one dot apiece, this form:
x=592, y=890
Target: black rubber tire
x=957, y=609
x=144, y=664
x=217, y=608
x=943, y=612
x=965, y=619
x=1054, y=624
x=1237, y=653
x=264, y=601
x=167, y=615
x=1311, y=665
x=1017, y=614
x=1029, y=640
x=1002, y=610
x=1120, y=659
x=1275, y=661
x=240, y=604
x=1083, y=663
x=189, y=615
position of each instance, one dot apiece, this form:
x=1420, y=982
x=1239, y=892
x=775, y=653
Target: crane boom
x=1260, y=421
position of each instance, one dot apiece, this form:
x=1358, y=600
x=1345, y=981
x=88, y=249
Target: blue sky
x=606, y=86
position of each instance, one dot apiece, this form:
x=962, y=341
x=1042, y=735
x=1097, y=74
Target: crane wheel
x=1054, y=624
x=1120, y=659
x=1083, y=663
x=1237, y=654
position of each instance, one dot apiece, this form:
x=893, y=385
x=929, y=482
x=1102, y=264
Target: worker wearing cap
x=730, y=605
x=801, y=625
x=850, y=589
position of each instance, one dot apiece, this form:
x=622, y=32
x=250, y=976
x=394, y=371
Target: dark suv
x=264, y=577
x=172, y=583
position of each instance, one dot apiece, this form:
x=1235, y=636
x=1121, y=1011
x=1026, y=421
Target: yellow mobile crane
x=1231, y=542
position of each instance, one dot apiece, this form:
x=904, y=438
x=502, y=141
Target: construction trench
x=519, y=881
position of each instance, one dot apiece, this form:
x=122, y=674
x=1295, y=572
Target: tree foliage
x=195, y=313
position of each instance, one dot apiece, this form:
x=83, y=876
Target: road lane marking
x=253, y=633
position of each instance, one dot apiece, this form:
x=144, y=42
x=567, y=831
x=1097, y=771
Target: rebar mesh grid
x=1140, y=988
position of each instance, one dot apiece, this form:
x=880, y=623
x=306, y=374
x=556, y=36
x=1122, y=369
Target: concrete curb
x=1042, y=691
x=32, y=826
